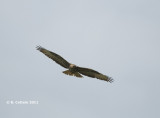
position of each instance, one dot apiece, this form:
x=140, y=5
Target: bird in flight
x=74, y=70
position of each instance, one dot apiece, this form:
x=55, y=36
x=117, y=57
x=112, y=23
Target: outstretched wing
x=55, y=57
x=94, y=74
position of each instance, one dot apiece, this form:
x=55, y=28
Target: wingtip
x=39, y=47
x=110, y=79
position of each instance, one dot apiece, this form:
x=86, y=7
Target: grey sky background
x=119, y=38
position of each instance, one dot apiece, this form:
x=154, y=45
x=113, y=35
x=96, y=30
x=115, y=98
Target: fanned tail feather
x=67, y=72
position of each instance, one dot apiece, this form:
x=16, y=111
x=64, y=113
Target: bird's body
x=73, y=70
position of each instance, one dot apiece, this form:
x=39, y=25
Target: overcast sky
x=119, y=38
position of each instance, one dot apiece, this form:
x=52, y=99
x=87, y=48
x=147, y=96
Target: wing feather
x=55, y=57
x=94, y=74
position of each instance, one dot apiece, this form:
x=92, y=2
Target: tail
x=67, y=72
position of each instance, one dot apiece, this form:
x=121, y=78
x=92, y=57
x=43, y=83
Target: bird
x=72, y=69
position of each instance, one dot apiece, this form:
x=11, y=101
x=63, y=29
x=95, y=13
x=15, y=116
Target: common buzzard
x=73, y=70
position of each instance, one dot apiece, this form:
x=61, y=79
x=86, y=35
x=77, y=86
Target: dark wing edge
x=94, y=74
x=55, y=57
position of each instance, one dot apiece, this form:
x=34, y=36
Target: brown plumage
x=73, y=70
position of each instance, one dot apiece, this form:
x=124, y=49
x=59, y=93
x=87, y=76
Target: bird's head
x=72, y=66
